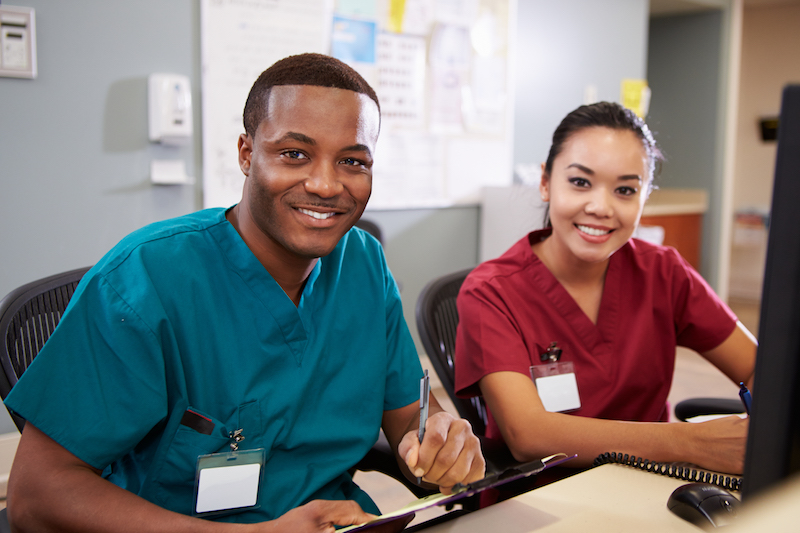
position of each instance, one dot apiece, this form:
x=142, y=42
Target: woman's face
x=597, y=189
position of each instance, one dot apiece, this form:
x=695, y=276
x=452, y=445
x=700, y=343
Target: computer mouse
x=704, y=504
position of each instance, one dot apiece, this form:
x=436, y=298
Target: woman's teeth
x=592, y=231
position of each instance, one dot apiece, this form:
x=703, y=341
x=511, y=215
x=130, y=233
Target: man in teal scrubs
x=271, y=327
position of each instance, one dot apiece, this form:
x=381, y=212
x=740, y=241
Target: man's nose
x=323, y=181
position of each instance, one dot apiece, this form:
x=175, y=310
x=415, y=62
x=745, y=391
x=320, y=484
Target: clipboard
x=461, y=491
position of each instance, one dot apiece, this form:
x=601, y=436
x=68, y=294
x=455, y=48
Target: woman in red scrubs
x=594, y=316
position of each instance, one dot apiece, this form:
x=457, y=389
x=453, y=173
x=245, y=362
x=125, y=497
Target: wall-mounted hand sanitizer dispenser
x=170, y=108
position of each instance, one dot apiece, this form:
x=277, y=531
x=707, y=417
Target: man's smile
x=316, y=214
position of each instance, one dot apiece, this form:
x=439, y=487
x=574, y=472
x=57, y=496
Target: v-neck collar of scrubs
x=288, y=317
x=593, y=335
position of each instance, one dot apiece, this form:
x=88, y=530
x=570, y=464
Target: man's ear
x=245, y=152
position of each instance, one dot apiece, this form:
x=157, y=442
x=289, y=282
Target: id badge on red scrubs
x=557, y=386
x=555, y=382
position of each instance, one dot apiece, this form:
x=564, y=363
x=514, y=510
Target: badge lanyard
x=228, y=482
x=555, y=381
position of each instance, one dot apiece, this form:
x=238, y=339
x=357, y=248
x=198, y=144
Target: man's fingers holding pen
x=458, y=458
x=450, y=453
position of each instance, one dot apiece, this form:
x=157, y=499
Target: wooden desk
x=609, y=498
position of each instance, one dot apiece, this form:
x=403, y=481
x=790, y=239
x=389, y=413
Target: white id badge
x=228, y=482
x=557, y=387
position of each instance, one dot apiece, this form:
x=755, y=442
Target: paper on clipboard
x=463, y=491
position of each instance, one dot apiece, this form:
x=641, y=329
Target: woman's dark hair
x=603, y=115
x=302, y=69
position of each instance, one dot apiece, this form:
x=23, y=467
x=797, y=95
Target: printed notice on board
x=240, y=39
x=440, y=70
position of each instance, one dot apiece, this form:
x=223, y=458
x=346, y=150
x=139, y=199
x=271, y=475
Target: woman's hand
x=717, y=445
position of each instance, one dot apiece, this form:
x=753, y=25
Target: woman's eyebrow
x=582, y=168
x=589, y=171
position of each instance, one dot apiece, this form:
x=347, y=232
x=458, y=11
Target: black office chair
x=437, y=322
x=30, y=313
x=370, y=227
x=28, y=316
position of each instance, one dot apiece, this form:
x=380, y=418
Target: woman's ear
x=544, y=186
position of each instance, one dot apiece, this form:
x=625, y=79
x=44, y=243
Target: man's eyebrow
x=300, y=137
x=358, y=148
x=305, y=139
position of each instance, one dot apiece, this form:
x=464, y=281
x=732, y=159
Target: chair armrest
x=707, y=406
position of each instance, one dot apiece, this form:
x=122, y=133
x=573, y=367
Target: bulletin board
x=441, y=69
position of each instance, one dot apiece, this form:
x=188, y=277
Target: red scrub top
x=512, y=308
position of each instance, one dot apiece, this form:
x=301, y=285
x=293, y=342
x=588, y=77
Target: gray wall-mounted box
x=17, y=42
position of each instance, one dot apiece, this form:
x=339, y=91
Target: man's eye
x=294, y=154
x=352, y=162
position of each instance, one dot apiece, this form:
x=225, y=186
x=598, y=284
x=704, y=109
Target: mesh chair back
x=437, y=321
x=28, y=316
x=370, y=227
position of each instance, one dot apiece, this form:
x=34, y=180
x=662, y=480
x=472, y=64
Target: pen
x=747, y=398
x=424, y=398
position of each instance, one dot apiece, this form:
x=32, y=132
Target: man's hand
x=320, y=516
x=449, y=453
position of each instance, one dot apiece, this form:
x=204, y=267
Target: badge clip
x=236, y=438
x=553, y=353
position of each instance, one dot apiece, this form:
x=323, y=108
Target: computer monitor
x=773, y=447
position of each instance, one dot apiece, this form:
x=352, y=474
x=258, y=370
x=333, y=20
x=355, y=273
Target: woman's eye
x=580, y=182
x=627, y=191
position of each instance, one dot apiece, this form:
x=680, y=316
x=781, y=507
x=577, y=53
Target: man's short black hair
x=303, y=69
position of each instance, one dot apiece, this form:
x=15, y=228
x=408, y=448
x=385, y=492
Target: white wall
x=564, y=46
x=770, y=60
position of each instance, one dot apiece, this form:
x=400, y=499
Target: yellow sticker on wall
x=397, y=9
x=636, y=96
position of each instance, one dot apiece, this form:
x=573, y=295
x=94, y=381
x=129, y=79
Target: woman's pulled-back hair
x=302, y=69
x=603, y=115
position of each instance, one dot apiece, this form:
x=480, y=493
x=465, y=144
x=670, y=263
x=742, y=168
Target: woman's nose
x=600, y=204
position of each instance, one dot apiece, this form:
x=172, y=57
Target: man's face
x=309, y=168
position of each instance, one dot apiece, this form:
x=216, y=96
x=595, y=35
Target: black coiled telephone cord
x=672, y=470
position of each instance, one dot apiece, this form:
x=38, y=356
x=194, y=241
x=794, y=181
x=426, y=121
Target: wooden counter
x=680, y=213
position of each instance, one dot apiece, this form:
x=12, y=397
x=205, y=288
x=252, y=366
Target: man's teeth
x=593, y=231
x=315, y=214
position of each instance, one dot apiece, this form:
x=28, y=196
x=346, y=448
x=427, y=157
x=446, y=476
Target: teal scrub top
x=180, y=316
